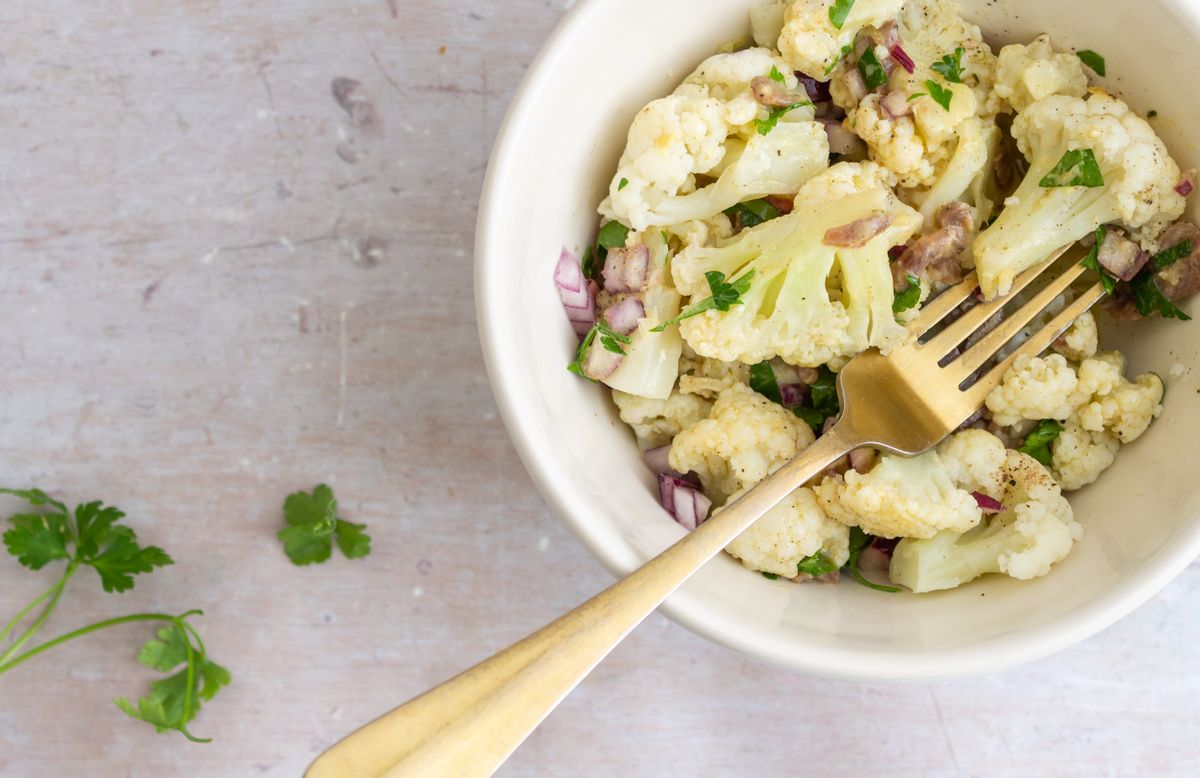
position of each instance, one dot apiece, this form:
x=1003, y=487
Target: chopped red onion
x=600, y=363
x=861, y=459
x=895, y=252
x=625, y=315
x=793, y=394
x=857, y=233
x=901, y=56
x=987, y=504
x=770, y=93
x=841, y=140
x=626, y=269
x=1187, y=183
x=818, y=91
x=888, y=36
x=785, y=204
x=659, y=460
x=896, y=105
x=683, y=500
x=578, y=295
x=874, y=560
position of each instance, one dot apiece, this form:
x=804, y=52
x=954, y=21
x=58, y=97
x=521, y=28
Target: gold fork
x=905, y=403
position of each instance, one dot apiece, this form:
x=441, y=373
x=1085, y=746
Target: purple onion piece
x=578, y=294
x=659, y=460
x=685, y=502
x=874, y=560
x=818, y=91
x=626, y=269
x=1187, y=183
x=793, y=394
x=861, y=459
x=901, y=56
x=600, y=363
x=625, y=315
x=987, y=504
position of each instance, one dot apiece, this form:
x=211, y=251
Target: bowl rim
x=683, y=606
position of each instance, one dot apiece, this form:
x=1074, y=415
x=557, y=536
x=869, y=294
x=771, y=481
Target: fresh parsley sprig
x=724, y=296
x=1078, y=167
x=822, y=402
x=752, y=212
x=1093, y=60
x=1037, y=443
x=839, y=11
x=764, y=126
x=313, y=525
x=950, y=66
x=911, y=295
x=91, y=536
x=873, y=74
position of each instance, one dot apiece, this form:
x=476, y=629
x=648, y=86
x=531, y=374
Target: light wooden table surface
x=219, y=286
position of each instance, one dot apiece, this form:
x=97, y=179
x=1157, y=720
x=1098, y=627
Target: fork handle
x=470, y=724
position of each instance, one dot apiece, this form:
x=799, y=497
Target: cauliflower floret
x=1035, y=388
x=1026, y=74
x=932, y=29
x=975, y=459
x=1035, y=530
x=790, y=532
x=1135, y=185
x=1081, y=340
x=656, y=422
x=707, y=127
x=900, y=497
x=703, y=232
x=744, y=439
x=1126, y=410
x=707, y=377
x=1080, y=456
x=766, y=23
x=812, y=43
x=808, y=302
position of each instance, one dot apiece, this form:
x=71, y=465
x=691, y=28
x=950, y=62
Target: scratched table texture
x=225, y=278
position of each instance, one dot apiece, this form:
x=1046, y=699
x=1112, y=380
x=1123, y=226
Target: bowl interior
x=551, y=166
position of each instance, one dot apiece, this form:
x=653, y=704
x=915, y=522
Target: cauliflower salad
x=795, y=201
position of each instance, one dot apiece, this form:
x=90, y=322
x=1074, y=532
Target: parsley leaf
x=174, y=701
x=822, y=401
x=1037, y=443
x=1092, y=262
x=623, y=183
x=752, y=212
x=859, y=541
x=611, y=339
x=833, y=65
x=1077, y=167
x=612, y=235
x=873, y=74
x=769, y=576
x=775, y=75
x=950, y=66
x=1152, y=114
x=910, y=297
x=764, y=126
x=724, y=296
x=1148, y=298
x=940, y=94
x=816, y=565
x=1092, y=60
x=839, y=11
x=763, y=381
x=576, y=367
x=1172, y=255
x=313, y=524
x=588, y=263
x=36, y=539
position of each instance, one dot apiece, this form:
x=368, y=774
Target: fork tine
x=958, y=330
x=1037, y=343
x=978, y=355
x=942, y=305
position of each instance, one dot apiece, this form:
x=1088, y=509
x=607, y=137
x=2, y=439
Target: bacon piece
x=935, y=256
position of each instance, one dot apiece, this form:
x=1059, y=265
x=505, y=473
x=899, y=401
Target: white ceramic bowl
x=551, y=165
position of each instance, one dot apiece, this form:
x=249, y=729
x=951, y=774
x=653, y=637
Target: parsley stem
x=55, y=592
x=10, y=626
x=99, y=625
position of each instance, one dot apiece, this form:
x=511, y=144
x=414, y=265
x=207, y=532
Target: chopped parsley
x=612, y=236
x=1152, y=114
x=753, y=212
x=1037, y=443
x=770, y=576
x=833, y=65
x=576, y=367
x=910, y=296
x=624, y=183
x=763, y=381
x=816, y=565
x=776, y=75
x=950, y=66
x=1077, y=167
x=822, y=401
x=1172, y=255
x=1092, y=262
x=859, y=541
x=611, y=339
x=1148, y=298
x=724, y=296
x=873, y=74
x=839, y=11
x=1092, y=60
x=764, y=126
x=940, y=94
